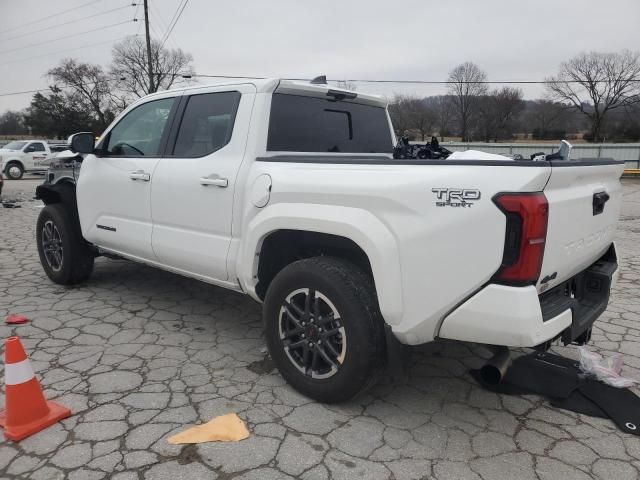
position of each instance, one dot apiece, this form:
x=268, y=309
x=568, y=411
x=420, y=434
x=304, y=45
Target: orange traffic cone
x=26, y=412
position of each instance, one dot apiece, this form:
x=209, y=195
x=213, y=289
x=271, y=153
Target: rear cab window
x=310, y=124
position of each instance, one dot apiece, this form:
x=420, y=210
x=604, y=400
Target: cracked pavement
x=139, y=354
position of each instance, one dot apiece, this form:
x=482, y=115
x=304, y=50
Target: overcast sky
x=401, y=39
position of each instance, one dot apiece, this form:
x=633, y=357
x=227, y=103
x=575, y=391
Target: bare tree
x=421, y=117
x=467, y=83
x=596, y=83
x=546, y=117
x=498, y=112
x=129, y=66
x=399, y=112
x=443, y=110
x=90, y=83
x=412, y=113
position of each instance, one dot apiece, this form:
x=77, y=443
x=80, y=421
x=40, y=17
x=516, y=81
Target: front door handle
x=140, y=175
x=214, y=179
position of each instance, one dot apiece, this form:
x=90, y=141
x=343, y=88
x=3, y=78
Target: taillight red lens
x=525, y=236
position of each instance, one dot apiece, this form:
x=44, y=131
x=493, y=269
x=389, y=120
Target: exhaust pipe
x=493, y=372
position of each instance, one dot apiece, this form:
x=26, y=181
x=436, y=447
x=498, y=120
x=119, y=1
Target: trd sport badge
x=456, y=197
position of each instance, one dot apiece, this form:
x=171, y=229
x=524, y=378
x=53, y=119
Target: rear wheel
x=14, y=171
x=65, y=256
x=323, y=328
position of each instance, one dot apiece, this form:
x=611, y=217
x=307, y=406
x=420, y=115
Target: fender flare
x=62, y=192
x=358, y=225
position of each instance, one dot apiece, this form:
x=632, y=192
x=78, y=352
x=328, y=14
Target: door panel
x=193, y=185
x=115, y=211
x=34, y=154
x=114, y=188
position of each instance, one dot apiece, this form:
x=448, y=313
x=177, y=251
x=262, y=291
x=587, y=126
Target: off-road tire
x=77, y=257
x=353, y=294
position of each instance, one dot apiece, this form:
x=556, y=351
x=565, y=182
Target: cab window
x=309, y=124
x=207, y=124
x=140, y=131
x=34, y=147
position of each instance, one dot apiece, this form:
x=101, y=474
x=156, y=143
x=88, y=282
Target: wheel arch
x=14, y=160
x=62, y=192
x=283, y=233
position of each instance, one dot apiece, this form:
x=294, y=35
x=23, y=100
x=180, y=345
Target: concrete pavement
x=139, y=354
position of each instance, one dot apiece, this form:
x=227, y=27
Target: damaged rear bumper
x=519, y=317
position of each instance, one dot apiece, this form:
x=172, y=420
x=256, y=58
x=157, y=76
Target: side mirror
x=83, y=142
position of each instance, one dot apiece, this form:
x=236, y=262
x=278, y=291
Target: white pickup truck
x=288, y=192
x=22, y=156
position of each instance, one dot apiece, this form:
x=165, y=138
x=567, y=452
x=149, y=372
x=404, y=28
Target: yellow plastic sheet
x=226, y=428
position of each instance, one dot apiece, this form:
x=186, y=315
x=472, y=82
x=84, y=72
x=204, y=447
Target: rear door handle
x=140, y=175
x=214, y=179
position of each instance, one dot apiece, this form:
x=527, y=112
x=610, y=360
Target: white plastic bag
x=606, y=370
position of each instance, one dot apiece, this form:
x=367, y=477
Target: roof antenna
x=319, y=80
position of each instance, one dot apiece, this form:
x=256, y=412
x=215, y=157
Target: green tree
x=12, y=123
x=58, y=114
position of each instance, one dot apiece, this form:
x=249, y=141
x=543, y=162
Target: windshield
x=14, y=145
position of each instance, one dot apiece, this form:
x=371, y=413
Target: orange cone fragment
x=15, y=319
x=26, y=411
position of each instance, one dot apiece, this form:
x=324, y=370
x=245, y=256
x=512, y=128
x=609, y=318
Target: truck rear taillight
x=526, y=232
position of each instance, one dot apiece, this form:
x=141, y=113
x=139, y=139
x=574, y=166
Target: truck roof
x=293, y=87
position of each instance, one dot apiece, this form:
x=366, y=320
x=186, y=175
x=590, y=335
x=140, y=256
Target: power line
x=416, y=82
x=174, y=24
x=135, y=18
x=64, y=51
x=153, y=29
x=428, y=82
x=23, y=92
x=21, y=26
x=70, y=21
x=173, y=17
x=54, y=88
x=62, y=38
x=162, y=24
x=171, y=21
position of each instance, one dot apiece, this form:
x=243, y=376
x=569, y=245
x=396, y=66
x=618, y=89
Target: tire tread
x=358, y=290
x=80, y=254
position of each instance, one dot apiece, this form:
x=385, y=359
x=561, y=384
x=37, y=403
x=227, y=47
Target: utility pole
x=152, y=88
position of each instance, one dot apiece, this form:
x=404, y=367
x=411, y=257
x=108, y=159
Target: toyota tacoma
x=289, y=192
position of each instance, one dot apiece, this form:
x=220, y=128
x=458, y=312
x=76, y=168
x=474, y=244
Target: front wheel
x=323, y=327
x=65, y=256
x=14, y=171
